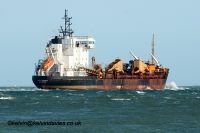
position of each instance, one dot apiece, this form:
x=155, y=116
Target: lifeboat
x=48, y=62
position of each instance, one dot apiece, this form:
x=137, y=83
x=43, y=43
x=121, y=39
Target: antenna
x=67, y=31
x=152, y=48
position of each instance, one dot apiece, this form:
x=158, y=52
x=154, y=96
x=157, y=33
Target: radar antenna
x=67, y=31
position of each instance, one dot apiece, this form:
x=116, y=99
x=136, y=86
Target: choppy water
x=175, y=109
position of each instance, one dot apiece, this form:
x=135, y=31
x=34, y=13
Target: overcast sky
x=117, y=26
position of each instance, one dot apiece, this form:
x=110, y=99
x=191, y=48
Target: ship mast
x=67, y=31
x=152, y=49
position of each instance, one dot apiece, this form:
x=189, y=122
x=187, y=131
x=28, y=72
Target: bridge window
x=91, y=42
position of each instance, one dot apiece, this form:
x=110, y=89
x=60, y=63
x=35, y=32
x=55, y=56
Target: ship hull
x=91, y=83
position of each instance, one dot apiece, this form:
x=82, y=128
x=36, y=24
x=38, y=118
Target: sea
x=28, y=109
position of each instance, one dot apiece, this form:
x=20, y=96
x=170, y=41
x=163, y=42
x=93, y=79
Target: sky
x=117, y=26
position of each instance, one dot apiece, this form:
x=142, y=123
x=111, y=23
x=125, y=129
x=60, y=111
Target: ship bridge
x=68, y=52
x=86, y=42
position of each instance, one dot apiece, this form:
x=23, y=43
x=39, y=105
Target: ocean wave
x=141, y=92
x=69, y=90
x=121, y=99
x=81, y=94
x=194, y=93
x=20, y=89
x=55, y=96
x=173, y=86
x=167, y=97
x=148, y=88
x=98, y=92
x=6, y=98
x=72, y=94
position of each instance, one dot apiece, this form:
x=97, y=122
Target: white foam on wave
x=194, y=93
x=55, y=96
x=141, y=92
x=20, y=89
x=148, y=88
x=173, y=86
x=167, y=97
x=72, y=94
x=70, y=90
x=6, y=98
x=43, y=90
x=98, y=92
x=121, y=99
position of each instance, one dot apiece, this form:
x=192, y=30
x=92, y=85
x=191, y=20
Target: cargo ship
x=66, y=66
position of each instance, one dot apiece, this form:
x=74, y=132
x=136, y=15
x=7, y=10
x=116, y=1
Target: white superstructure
x=66, y=53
